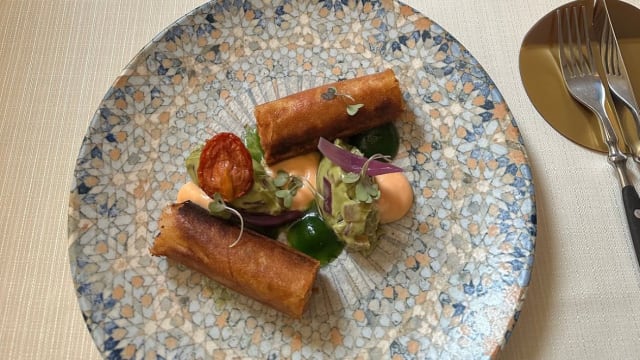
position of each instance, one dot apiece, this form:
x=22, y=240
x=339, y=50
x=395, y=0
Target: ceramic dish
x=447, y=281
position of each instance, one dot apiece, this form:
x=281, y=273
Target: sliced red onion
x=326, y=193
x=266, y=220
x=351, y=162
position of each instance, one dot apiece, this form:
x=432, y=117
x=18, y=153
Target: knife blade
x=617, y=76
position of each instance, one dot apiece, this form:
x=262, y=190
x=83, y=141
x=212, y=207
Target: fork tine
x=580, y=53
x=587, y=39
x=612, y=59
x=607, y=53
x=580, y=74
x=576, y=48
x=576, y=57
x=574, y=52
x=615, y=54
x=611, y=54
x=564, y=61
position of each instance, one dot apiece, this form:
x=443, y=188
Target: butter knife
x=617, y=75
x=620, y=86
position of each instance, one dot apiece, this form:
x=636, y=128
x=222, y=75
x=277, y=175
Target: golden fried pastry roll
x=261, y=268
x=292, y=125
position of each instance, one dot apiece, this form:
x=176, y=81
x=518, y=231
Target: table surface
x=58, y=58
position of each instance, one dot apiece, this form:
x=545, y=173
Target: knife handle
x=632, y=208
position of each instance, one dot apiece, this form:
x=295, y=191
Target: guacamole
x=355, y=222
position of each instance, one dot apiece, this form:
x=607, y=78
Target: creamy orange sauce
x=396, y=196
x=194, y=193
x=304, y=166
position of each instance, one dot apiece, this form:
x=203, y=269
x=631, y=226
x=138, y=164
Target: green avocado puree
x=354, y=222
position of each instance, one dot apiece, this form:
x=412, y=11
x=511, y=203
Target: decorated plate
x=446, y=281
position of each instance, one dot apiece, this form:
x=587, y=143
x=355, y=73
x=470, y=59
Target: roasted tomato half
x=225, y=167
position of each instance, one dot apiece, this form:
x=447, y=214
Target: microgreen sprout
x=352, y=109
x=281, y=179
x=218, y=207
x=350, y=178
x=332, y=93
x=366, y=188
x=287, y=185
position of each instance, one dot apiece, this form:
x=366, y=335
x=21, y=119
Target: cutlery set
x=617, y=75
x=589, y=86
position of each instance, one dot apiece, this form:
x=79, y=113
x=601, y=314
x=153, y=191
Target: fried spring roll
x=292, y=125
x=261, y=268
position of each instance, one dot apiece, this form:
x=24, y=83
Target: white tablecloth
x=58, y=58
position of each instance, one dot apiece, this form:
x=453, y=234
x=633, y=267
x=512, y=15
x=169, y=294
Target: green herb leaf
x=285, y=195
x=362, y=194
x=350, y=178
x=332, y=93
x=352, y=109
x=288, y=201
x=192, y=162
x=366, y=189
x=374, y=191
x=286, y=187
x=281, y=179
x=217, y=206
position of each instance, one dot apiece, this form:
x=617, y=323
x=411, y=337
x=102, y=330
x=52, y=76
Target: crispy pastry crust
x=261, y=268
x=292, y=125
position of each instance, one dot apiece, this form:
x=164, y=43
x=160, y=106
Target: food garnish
x=314, y=237
x=288, y=186
x=225, y=167
x=332, y=93
x=353, y=163
x=218, y=207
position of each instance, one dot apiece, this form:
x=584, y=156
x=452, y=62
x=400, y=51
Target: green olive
x=383, y=139
x=314, y=237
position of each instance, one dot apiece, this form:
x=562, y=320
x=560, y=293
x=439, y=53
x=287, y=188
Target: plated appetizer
x=264, y=211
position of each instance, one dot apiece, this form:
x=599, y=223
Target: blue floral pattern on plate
x=447, y=281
